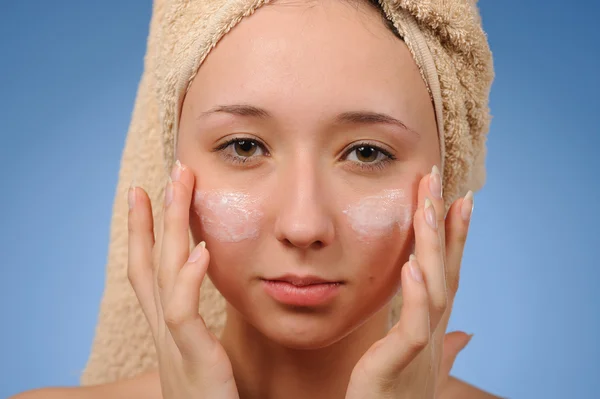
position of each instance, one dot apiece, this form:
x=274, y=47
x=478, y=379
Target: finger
x=457, y=227
x=140, y=244
x=412, y=332
x=187, y=327
x=454, y=343
x=429, y=248
x=175, y=239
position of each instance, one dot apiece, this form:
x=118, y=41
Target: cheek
x=228, y=216
x=375, y=217
x=230, y=223
x=381, y=228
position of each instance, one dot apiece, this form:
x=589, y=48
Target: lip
x=301, y=281
x=304, y=291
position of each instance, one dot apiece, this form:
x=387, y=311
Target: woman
x=308, y=150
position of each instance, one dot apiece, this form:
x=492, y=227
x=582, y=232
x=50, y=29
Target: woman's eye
x=366, y=154
x=240, y=150
x=245, y=148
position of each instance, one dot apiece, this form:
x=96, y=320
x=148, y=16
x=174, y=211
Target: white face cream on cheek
x=228, y=216
x=375, y=216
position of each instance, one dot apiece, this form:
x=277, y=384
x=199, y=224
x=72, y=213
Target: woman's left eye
x=368, y=155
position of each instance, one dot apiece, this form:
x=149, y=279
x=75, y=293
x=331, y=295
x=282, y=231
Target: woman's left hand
x=414, y=359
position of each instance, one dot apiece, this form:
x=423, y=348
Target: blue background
x=69, y=72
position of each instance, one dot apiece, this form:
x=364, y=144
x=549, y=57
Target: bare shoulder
x=146, y=386
x=458, y=389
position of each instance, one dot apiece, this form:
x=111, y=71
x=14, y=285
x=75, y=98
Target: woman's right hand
x=166, y=281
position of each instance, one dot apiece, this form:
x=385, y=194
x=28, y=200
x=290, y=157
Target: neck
x=264, y=369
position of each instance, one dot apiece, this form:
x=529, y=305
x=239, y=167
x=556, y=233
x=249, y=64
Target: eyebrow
x=239, y=110
x=351, y=117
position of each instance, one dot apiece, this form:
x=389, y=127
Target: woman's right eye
x=240, y=150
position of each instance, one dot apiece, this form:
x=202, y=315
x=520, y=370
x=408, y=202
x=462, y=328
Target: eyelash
x=366, y=166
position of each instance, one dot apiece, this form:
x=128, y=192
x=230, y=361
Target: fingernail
x=176, y=172
x=435, y=182
x=197, y=252
x=430, y=214
x=467, y=206
x=131, y=195
x=415, y=272
x=169, y=193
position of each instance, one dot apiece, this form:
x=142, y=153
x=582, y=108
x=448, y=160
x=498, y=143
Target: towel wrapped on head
x=450, y=48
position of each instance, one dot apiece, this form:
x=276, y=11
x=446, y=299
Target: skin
x=304, y=178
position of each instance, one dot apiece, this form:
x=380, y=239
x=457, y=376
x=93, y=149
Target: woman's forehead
x=327, y=56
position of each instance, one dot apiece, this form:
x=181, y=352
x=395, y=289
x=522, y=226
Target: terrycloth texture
x=450, y=48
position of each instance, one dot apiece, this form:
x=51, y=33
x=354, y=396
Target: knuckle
x=174, y=318
x=161, y=281
x=439, y=303
x=133, y=275
x=368, y=368
x=138, y=275
x=415, y=339
x=417, y=342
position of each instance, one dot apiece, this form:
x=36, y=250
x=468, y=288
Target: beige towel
x=450, y=48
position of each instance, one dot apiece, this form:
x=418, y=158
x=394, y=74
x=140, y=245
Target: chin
x=302, y=329
x=312, y=328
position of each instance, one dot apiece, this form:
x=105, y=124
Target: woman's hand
x=409, y=362
x=192, y=362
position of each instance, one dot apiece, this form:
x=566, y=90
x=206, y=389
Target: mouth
x=303, y=291
x=303, y=281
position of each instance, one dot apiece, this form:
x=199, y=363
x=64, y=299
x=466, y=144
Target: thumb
x=454, y=343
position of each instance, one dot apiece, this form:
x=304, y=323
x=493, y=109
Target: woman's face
x=308, y=128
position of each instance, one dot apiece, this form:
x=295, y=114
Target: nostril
x=297, y=244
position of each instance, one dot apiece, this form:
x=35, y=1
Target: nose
x=303, y=220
